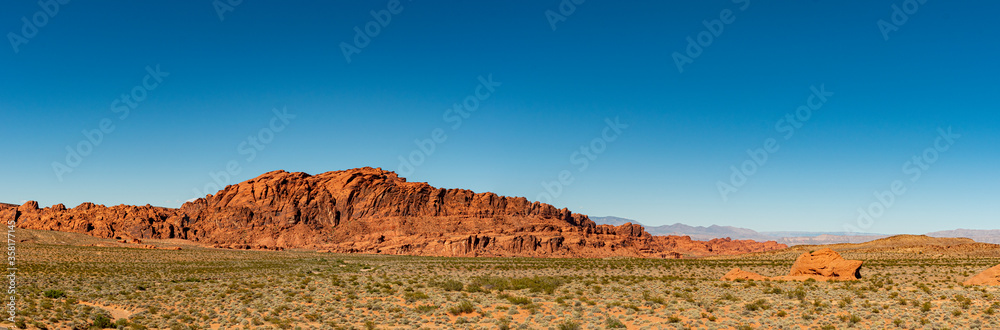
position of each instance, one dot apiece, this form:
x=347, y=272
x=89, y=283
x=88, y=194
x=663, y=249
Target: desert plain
x=75, y=281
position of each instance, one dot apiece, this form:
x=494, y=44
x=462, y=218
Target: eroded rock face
x=369, y=210
x=820, y=265
x=988, y=277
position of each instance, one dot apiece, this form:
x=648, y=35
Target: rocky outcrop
x=827, y=264
x=368, y=210
x=988, y=277
x=820, y=265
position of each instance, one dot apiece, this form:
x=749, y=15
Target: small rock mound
x=739, y=274
x=988, y=277
x=821, y=265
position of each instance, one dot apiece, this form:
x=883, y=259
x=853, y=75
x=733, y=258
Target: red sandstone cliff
x=369, y=210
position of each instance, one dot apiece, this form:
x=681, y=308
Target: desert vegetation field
x=81, y=287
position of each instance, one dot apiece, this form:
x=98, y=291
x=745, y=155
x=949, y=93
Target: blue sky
x=552, y=92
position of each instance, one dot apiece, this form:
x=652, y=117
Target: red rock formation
x=827, y=264
x=987, y=277
x=821, y=265
x=118, y=222
x=369, y=210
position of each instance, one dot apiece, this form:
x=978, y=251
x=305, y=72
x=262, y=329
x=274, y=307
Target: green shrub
x=519, y=300
x=425, y=308
x=464, y=307
x=650, y=298
x=613, y=323
x=101, y=322
x=504, y=323
x=547, y=284
x=54, y=294
x=473, y=288
x=414, y=296
x=569, y=325
x=449, y=285
x=760, y=304
x=799, y=293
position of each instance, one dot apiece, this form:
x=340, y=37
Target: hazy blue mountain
x=789, y=237
x=979, y=235
x=614, y=221
x=814, y=233
x=696, y=232
x=715, y=231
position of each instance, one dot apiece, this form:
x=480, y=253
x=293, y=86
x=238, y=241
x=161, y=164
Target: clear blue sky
x=221, y=79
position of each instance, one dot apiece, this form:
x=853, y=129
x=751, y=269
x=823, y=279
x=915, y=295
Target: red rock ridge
x=369, y=210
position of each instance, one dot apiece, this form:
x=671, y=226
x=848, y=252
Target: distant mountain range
x=978, y=235
x=685, y=230
x=788, y=237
